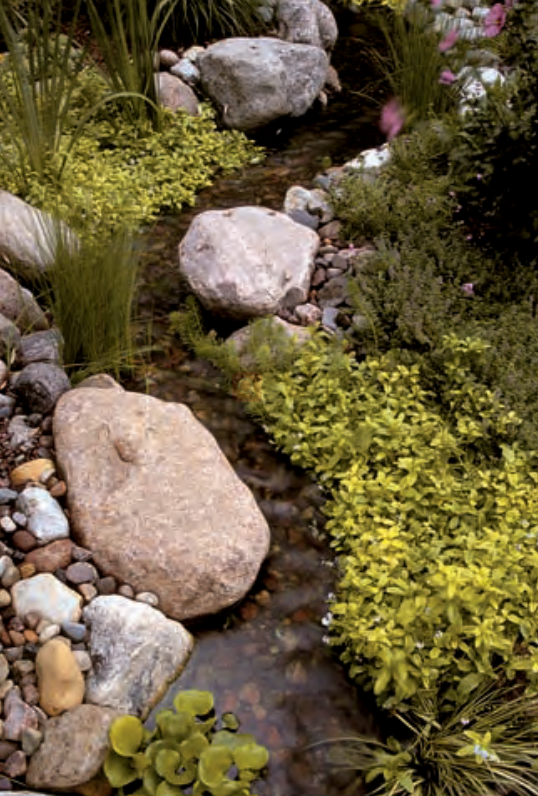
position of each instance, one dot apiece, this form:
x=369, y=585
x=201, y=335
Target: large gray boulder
x=255, y=81
x=28, y=236
x=248, y=262
x=306, y=22
x=151, y=494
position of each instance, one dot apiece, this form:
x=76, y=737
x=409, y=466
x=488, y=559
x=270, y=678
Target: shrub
x=185, y=753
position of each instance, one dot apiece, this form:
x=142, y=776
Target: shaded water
x=265, y=659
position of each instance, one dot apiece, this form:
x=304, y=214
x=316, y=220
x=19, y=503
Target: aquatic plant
x=185, y=753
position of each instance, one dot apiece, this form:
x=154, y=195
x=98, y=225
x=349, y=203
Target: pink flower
x=392, y=119
x=449, y=41
x=478, y=176
x=508, y=4
x=468, y=288
x=436, y=3
x=447, y=77
x=495, y=20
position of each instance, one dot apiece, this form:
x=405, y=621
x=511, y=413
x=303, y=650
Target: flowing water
x=265, y=659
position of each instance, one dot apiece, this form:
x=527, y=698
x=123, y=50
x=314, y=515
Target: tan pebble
x=17, y=639
x=60, y=681
x=5, y=687
x=24, y=667
x=36, y=470
x=88, y=591
x=58, y=490
x=126, y=591
x=50, y=557
x=259, y=712
x=263, y=598
x=5, y=598
x=31, y=636
x=27, y=570
x=4, y=637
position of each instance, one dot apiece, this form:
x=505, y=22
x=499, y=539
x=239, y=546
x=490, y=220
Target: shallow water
x=265, y=659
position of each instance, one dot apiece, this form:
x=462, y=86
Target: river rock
x=18, y=716
x=73, y=750
x=10, y=339
x=18, y=304
x=248, y=261
x=50, y=557
x=240, y=338
x=49, y=597
x=136, y=651
x=60, y=681
x=45, y=346
x=173, y=93
x=45, y=518
x=29, y=236
x=39, y=386
x=187, y=71
x=34, y=470
x=153, y=496
x=255, y=81
x=306, y=22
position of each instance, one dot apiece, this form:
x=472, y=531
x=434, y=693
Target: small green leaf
x=126, y=735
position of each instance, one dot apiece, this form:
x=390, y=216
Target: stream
x=265, y=659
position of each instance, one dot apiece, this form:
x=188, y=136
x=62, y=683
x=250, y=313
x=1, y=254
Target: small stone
x=4, y=669
x=19, y=716
x=32, y=619
x=39, y=386
x=5, y=598
x=7, y=525
x=24, y=541
x=81, y=554
x=34, y=470
x=15, y=765
x=5, y=784
x=11, y=576
x=19, y=518
x=17, y=639
x=168, y=58
x=126, y=591
x=24, y=667
x=75, y=630
x=6, y=749
x=305, y=218
x=16, y=623
x=13, y=653
x=60, y=681
x=8, y=496
x=107, y=585
x=31, y=741
x=27, y=570
x=83, y=660
x=31, y=637
x=30, y=693
x=148, y=598
x=58, y=490
x=44, y=593
x=46, y=520
x=319, y=277
x=5, y=688
x=7, y=406
x=88, y=591
x=81, y=572
x=331, y=230
x=48, y=632
x=51, y=557
x=308, y=314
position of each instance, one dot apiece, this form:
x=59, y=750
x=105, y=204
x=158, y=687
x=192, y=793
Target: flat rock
x=73, y=750
x=136, y=652
x=49, y=597
x=45, y=518
x=29, y=236
x=247, y=262
x=174, y=94
x=154, y=498
x=18, y=304
x=255, y=81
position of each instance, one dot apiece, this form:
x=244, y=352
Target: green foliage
x=205, y=20
x=37, y=82
x=488, y=744
x=129, y=41
x=500, y=144
x=433, y=516
x=186, y=753
x=90, y=289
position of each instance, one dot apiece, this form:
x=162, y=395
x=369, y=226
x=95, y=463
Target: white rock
x=46, y=519
x=46, y=595
x=136, y=653
x=370, y=158
x=187, y=71
x=297, y=198
x=249, y=261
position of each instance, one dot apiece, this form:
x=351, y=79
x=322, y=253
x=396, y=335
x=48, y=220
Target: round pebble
x=31, y=637
x=13, y=653
x=107, y=585
x=24, y=540
x=81, y=572
x=75, y=630
x=19, y=518
x=83, y=660
x=58, y=490
x=5, y=598
x=30, y=694
x=17, y=638
x=32, y=619
x=88, y=591
x=126, y=591
x=48, y=632
x=27, y=570
x=23, y=667
x=147, y=597
x=7, y=525
x=10, y=577
x=4, y=669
